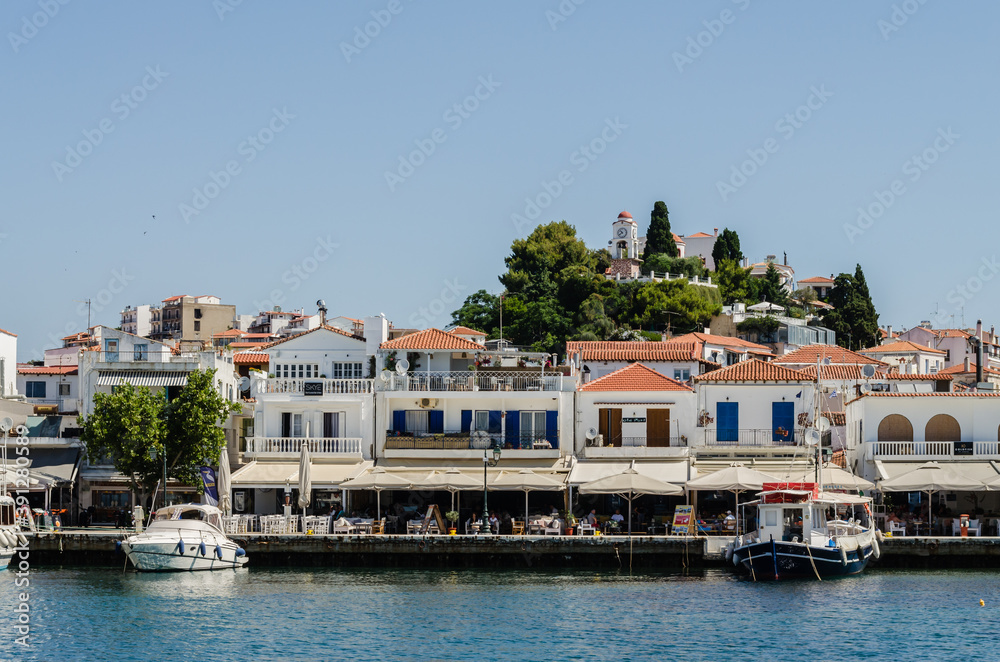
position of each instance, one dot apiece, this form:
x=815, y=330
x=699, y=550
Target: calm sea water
x=100, y=614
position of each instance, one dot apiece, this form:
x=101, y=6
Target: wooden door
x=657, y=428
x=610, y=426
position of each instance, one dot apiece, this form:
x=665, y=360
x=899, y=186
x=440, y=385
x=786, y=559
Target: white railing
x=317, y=386
x=935, y=449
x=752, y=438
x=476, y=381
x=293, y=445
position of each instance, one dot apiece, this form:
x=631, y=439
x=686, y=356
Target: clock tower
x=624, y=247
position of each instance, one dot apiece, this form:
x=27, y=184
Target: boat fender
x=843, y=556
x=21, y=538
x=218, y=551
x=180, y=546
x=202, y=548
x=729, y=552
x=240, y=551
x=9, y=539
x=878, y=534
x=876, y=550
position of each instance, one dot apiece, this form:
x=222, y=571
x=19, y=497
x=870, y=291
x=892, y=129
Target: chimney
x=376, y=333
x=965, y=365
x=888, y=332
x=716, y=232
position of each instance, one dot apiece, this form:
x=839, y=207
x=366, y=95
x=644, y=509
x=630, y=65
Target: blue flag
x=211, y=492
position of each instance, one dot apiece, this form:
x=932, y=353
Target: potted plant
x=452, y=517
x=570, y=520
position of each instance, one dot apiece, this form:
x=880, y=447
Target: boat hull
x=159, y=555
x=6, y=554
x=796, y=560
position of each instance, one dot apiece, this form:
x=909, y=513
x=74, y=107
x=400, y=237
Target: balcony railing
x=752, y=438
x=479, y=440
x=645, y=442
x=144, y=356
x=289, y=446
x=317, y=386
x=475, y=381
x=935, y=449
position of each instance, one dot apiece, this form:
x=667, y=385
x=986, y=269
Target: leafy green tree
x=805, y=296
x=481, y=311
x=853, y=317
x=124, y=426
x=770, y=287
x=659, y=238
x=194, y=422
x=735, y=283
x=727, y=247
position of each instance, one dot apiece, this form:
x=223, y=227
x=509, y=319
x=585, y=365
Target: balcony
x=145, y=356
x=639, y=447
x=480, y=380
x=934, y=450
x=477, y=440
x=752, y=438
x=315, y=387
x=288, y=447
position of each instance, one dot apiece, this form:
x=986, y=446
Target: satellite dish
x=244, y=383
x=823, y=424
x=402, y=366
x=6, y=424
x=22, y=430
x=826, y=360
x=592, y=433
x=866, y=388
x=868, y=371
x=813, y=437
x=385, y=376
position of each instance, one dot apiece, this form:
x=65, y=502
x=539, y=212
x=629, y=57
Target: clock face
x=622, y=232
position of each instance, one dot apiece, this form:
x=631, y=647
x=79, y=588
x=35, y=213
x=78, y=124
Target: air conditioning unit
x=428, y=403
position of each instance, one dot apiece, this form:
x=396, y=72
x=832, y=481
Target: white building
x=56, y=386
x=909, y=357
x=8, y=364
x=137, y=320
x=701, y=244
x=677, y=360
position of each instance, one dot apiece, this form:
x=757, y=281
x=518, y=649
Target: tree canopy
x=853, y=316
x=770, y=288
x=126, y=424
x=659, y=237
x=727, y=247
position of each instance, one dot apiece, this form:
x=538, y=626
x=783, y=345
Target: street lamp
x=152, y=456
x=487, y=462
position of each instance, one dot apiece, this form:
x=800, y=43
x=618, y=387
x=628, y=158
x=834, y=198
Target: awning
x=981, y=471
x=783, y=469
x=141, y=378
x=668, y=472
x=57, y=465
x=276, y=474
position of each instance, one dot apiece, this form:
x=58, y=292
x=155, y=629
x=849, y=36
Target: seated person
x=592, y=518
x=729, y=523
x=618, y=517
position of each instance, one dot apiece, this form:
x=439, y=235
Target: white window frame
x=532, y=429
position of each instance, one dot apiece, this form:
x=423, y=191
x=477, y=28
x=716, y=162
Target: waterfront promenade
x=97, y=548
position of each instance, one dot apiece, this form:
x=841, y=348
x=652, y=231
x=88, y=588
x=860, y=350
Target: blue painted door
x=783, y=421
x=727, y=421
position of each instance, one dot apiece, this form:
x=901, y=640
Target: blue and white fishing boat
x=800, y=534
x=184, y=537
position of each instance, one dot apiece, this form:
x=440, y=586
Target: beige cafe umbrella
x=734, y=478
x=305, y=479
x=837, y=478
x=223, y=482
x=527, y=481
x=452, y=480
x=629, y=483
x=377, y=479
x=931, y=477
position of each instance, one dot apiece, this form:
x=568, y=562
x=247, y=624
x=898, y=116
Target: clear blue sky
x=77, y=228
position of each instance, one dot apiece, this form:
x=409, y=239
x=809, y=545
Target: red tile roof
x=306, y=333
x=47, y=369
x=851, y=373
x=901, y=347
x=227, y=333
x=251, y=358
x=950, y=394
x=959, y=369
x=885, y=334
x=837, y=354
x=699, y=235
x=8, y=333
x=835, y=417
x=598, y=350
x=677, y=238
x=901, y=377
x=952, y=333
x=431, y=339
x=624, y=214
x=754, y=370
x=244, y=344
x=635, y=377
x=817, y=279
x=725, y=341
x=466, y=331
x=174, y=298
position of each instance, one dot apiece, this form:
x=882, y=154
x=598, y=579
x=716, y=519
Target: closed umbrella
x=305, y=478
x=931, y=477
x=528, y=481
x=377, y=479
x=734, y=478
x=224, y=483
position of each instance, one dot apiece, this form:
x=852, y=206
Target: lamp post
x=152, y=456
x=487, y=462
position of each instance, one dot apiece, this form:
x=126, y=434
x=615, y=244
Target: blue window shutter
x=435, y=421
x=466, y=420
x=727, y=423
x=513, y=429
x=552, y=428
x=783, y=416
x=494, y=422
x=399, y=421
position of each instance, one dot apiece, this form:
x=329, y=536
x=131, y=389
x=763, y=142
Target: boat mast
x=819, y=434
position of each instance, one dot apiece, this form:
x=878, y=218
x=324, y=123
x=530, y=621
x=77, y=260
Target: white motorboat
x=11, y=538
x=184, y=537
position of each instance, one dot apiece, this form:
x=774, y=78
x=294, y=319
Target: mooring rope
x=813, y=563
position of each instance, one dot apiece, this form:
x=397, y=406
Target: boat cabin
x=191, y=512
x=7, y=511
x=799, y=512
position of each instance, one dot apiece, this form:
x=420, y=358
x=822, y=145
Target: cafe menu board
x=682, y=520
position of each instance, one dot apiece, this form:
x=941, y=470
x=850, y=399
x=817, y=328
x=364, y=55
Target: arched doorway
x=895, y=427
x=943, y=428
